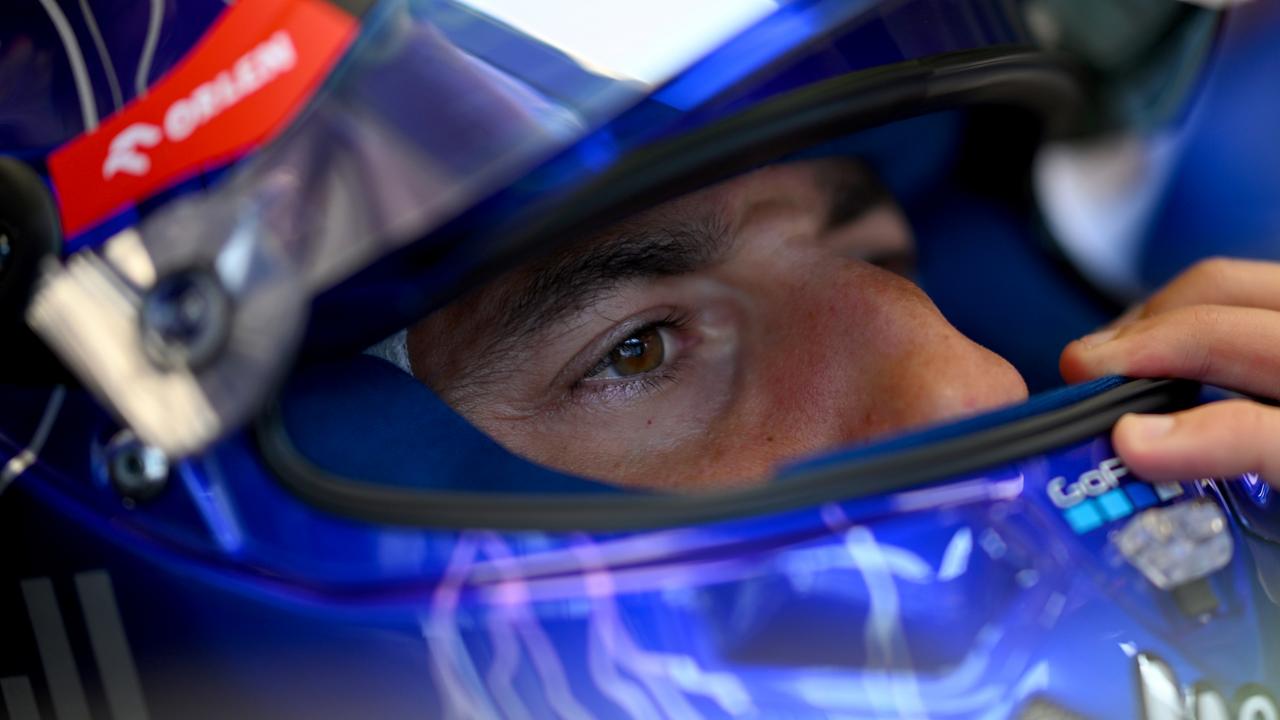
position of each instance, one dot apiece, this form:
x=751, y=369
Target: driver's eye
x=642, y=352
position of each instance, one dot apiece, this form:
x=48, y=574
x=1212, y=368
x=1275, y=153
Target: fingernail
x=1093, y=340
x=1146, y=428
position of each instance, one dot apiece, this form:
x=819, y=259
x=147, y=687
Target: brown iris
x=640, y=353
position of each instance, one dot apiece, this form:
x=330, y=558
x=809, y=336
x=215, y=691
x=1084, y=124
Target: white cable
x=80, y=72
x=19, y=463
x=103, y=55
x=149, y=47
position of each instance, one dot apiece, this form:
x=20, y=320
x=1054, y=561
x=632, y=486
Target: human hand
x=1219, y=323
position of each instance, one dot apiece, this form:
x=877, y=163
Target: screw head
x=138, y=471
x=184, y=319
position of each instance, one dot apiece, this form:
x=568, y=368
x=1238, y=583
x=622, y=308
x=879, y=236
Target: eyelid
x=576, y=370
x=627, y=388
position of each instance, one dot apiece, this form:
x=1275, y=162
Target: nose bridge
x=941, y=374
x=900, y=364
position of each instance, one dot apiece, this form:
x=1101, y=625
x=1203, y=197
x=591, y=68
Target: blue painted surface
x=970, y=598
x=1224, y=193
x=966, y=599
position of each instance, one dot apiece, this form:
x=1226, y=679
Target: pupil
x=632, y=347
x=639, y=353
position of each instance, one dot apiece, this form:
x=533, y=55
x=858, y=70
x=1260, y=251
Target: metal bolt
x=184, y=319
x=138, y=471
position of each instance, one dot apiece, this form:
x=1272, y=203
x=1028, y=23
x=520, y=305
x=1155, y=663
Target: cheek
x=816, y=358
x=668, y=441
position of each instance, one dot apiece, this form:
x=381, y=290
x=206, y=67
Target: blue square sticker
x=1083, y=517
x=1141, y=494
x=1115, y=504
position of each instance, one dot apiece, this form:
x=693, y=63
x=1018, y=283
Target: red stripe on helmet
x=241, y=84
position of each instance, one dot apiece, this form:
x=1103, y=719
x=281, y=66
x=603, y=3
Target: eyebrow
x=660, y=247
x=636, y=250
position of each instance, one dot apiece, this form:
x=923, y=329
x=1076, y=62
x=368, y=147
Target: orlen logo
x=1092, y=483
x=240, y=85
x=263, y=63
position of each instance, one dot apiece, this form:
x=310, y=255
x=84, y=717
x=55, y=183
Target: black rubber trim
x=33, y=235
x=29, y=221
x=1052, y=87
x=911, y=468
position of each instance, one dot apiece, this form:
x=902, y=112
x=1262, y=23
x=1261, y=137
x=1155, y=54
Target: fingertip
x=1146, y=443
x=1215, y=440
x=1145, y=432
x=1073, y=364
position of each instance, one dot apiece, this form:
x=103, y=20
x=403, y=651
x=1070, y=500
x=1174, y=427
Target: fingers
x=1220, y=439
x=1216, y=281
x=1234, y=347
x=1219, y=323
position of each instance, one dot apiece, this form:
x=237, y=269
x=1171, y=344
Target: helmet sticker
x=250, y=74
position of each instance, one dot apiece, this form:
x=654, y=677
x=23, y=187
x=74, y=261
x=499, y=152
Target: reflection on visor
x=413, y=129
x=355, y=177
x=615, y=38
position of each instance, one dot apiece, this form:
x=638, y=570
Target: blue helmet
x=216, y=502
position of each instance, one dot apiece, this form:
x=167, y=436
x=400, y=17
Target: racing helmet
x=232, y=508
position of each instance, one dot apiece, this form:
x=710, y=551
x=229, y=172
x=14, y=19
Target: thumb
x=1220, y=439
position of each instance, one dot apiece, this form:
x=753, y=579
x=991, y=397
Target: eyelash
x=644, y=383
